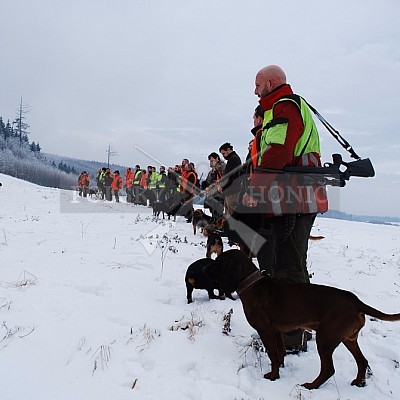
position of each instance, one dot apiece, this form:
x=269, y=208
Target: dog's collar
x=250, y=281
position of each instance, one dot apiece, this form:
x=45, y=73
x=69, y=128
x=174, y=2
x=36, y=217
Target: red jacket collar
x=268, y=101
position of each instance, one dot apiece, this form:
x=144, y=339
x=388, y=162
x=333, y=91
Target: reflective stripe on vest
x=274, y=131
x=153, y=180
x=138, y=176
x=161, y=185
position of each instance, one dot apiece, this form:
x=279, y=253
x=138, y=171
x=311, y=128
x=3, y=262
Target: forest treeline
x=24, y=160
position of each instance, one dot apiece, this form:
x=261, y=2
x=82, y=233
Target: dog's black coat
x=196, y=279
x=92, y=192
x=158, y=208
x=169, y=206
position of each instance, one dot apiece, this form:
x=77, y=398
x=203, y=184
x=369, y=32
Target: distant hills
x=91, y=167
x=372, y=219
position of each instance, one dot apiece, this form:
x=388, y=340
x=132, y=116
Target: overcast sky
x=176, y=78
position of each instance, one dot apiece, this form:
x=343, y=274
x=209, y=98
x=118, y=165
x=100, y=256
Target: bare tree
x=21, y=126
x=110, y=153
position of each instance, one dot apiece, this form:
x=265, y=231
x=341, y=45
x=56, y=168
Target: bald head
x=269, y=78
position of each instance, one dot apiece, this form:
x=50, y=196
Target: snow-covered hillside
x=92, y=306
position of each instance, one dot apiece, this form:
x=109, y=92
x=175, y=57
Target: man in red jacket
x=289, y=138
x=129, y=181
x=116, y=185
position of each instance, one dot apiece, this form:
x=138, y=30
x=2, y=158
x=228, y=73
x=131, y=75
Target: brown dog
x=214, y=242
x=200, y=219
x=274, y=306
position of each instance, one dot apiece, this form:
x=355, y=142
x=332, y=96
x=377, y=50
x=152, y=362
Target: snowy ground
x=91, y=308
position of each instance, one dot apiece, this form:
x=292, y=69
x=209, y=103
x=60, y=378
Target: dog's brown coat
x=273, y=307
x=200, y=219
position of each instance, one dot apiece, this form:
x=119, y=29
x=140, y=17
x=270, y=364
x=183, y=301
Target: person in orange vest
x=83, y=184
x=182, y=171
x=116, y=185
x=188, y=188
x=85, y=181
x=143, y=187
x=129, y=178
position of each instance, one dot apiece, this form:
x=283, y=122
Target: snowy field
x=93, y=306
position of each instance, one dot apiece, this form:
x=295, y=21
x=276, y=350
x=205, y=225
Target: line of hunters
x=144, y=187
x=175, y=187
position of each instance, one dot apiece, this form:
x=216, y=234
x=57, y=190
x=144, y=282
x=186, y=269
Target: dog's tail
x=373, y=312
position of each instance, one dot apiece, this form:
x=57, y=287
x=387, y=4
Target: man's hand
x=249, y=201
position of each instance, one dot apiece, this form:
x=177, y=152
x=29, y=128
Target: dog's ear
x=219, y=223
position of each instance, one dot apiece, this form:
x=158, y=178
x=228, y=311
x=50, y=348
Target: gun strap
x=342, y=141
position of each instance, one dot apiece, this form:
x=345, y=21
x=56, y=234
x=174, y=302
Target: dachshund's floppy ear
x=206, y=230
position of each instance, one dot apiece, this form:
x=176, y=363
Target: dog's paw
x=271, y=376
x=309, y=386
x=359, y=382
